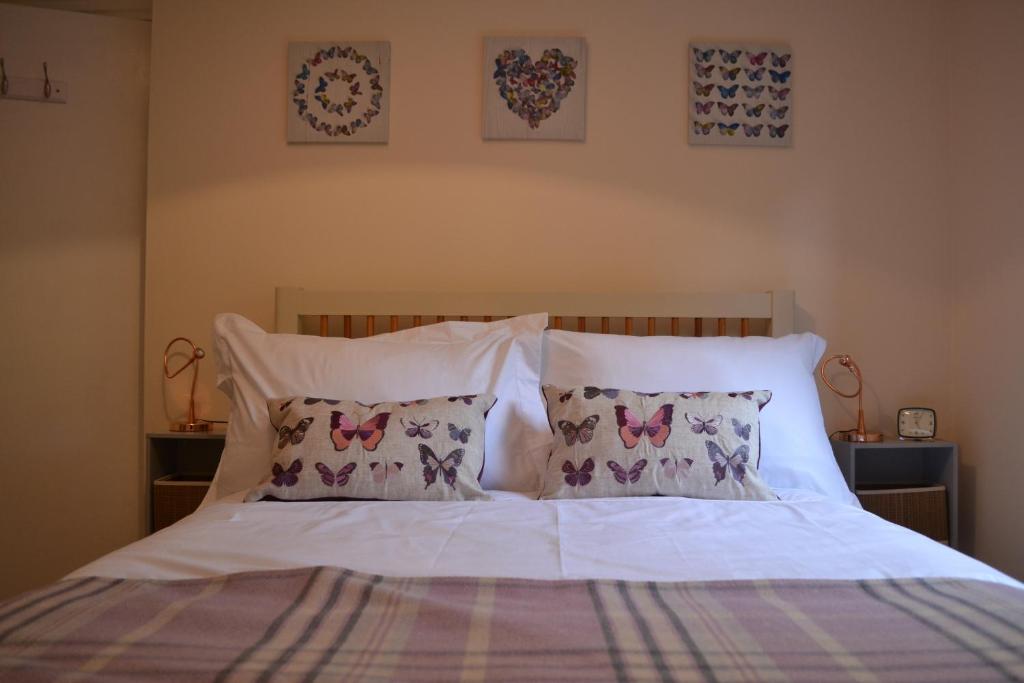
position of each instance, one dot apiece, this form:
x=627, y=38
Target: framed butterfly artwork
x=535, y=89
x=740, y=94
x=338, y=92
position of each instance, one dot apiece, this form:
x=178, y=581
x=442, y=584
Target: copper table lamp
x=860, y=433
x=193, y=424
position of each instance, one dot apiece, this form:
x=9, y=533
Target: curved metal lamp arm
x=197, y=354
x=845, y=361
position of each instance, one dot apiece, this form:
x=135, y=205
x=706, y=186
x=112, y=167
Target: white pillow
x=455, y=358
x=795, y=450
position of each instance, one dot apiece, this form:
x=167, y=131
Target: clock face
x=916, y=423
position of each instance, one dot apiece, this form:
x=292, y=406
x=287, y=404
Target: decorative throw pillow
x=612, y=442
x=428, y=449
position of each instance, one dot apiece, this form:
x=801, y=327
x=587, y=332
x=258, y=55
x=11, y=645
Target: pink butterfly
x=381, y=471
x=632, y=476
x=414, y=429
x=329, y=478
x=447, y=467
x=582, y=433
x=703, y=107
x=758, y=59
x=722, y=463
x=581, y=476
x=287, y=477
x=673, y=467
x=293, y=435
x=344, y=430
x=778, y=94
x=700, y=425
x=632, y=428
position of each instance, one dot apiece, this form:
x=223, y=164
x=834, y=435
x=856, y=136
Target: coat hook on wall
x=47, y=90
x=32, y=89
x=3, y=78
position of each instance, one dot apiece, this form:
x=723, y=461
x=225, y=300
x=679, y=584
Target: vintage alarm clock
x=915, y=423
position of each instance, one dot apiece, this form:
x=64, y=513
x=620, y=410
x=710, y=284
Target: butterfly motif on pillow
x=780, y=61
x=704, y=71
x=753, y=92
x=703, y=55
x=344, y=430
x=432, y=465
x=703, y=107
x=727, y=93
x=632, y=428
x=779, y=94
x=380, y=471
x=594, y=392
x=754, y=74
x=284, y=406
x=287, y=477
x=423, y=430
x=742, y=430
x=467, y=399
x=729, y=74
x=701, y=426
x=752, y=131
x=749, y=395
x=417, y=402
x=675, y=468
x=310, y=401
x=702, y=89
x=293, y=435
x=728, y=109
x=562, y=398
x=330, y=478
x=730, y=57
x=756, y=60
x=728, y=129
x=722, y=463
x=459, y=434
x=694, y=394
x=583, y=432
x=779, y=76
x=632, y=475
x=778, y=131
x=581, y=476
x=777, y=112
x=754, y=111
x=703, y=128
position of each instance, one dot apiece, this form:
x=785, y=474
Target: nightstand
x=910, y=483
x=179, y=469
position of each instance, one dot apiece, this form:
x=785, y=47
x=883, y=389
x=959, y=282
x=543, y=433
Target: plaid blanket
x=329, y=624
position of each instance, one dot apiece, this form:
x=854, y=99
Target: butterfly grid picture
x=740, y=95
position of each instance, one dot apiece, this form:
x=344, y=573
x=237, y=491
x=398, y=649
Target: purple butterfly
x=329, y=401
x=594, y=392
x=467, y=399
x=424, y=429
x=447, y=467
x=694, y=394
x=287, y=477
x=293, y=435
x=329, y=478
x=699, y=425
x=727, y=109
x=722, y=463
x=581, y=476
x=583, y=432
x=749, y=395
x=752, y=131
x=703, y=107
x=632, y=476
x=742, y=430
x=457, y=434
x=674, y=468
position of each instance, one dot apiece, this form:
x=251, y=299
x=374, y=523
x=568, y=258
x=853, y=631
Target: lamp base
x=866, y=437
x=190, y=426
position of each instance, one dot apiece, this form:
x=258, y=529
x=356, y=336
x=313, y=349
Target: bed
x=803, y=587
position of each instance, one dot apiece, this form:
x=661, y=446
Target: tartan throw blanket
x=331, y=624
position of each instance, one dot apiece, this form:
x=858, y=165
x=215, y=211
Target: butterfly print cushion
x=425, y=449
x=612, y=442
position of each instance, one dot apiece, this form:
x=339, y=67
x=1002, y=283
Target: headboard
x=354, y=314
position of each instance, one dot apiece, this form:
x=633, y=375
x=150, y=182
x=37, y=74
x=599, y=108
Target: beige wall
x=986, y=152
x=851, y=217
x=72, y=182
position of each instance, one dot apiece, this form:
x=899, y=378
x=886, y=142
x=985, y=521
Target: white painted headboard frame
x=778, y=307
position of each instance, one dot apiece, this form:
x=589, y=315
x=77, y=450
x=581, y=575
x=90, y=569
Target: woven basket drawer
x=922, y=509
x=176, y=496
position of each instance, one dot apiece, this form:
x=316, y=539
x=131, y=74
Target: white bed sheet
x=663, y=539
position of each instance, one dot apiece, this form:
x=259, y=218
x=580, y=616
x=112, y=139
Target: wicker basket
x=922, y=508
x=176, y=496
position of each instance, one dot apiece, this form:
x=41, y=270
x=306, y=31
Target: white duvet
x=663, y=539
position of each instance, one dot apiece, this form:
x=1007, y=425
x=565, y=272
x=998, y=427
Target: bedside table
x=910, y=483
x=179, y=469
